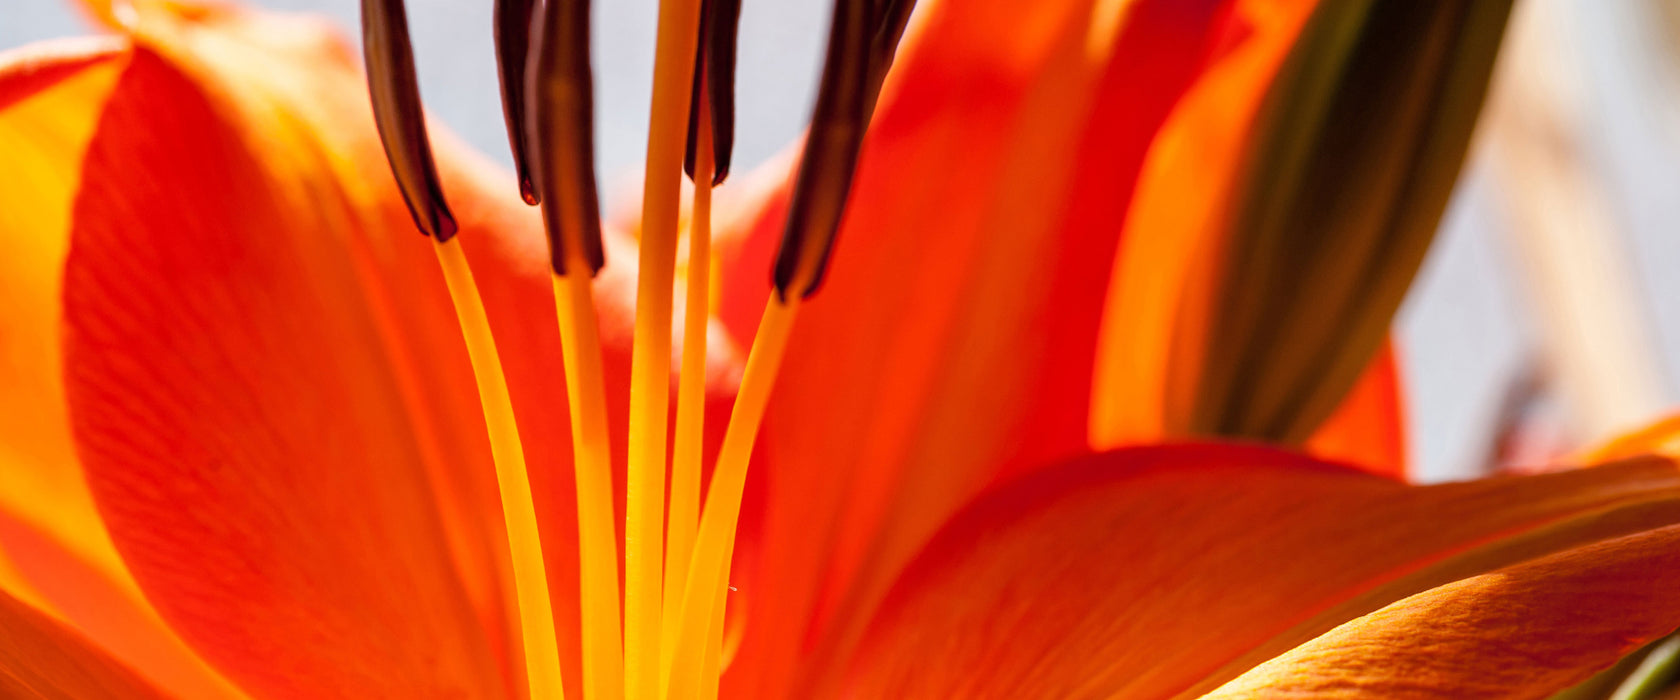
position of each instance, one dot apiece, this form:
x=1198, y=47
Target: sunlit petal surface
x=1524, y=631
x=1159, y=571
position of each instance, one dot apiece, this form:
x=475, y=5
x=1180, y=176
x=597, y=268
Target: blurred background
x=1547, y=314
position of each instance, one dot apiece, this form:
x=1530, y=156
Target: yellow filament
x=711, y=669
x=580, y=343
x=650, y=366
x=708, y=571
x=530, y=578
x=684, y=509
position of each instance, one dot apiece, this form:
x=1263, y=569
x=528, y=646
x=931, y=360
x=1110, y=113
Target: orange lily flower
x=248, y=454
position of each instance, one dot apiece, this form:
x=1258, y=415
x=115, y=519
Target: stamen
x=684, y=512
x=560, y=132
x=399, y=117
x=513, y=43
x=862, y=41
x=714, y=86
x=861, y=44
x=560, y=127
x=402, y=127
x=715, y=544
x=597, y=542
x=530, y=578
x=650, y=370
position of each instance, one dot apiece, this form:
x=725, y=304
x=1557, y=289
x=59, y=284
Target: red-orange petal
x=959, y=313
x=41, y=658
x=282, y=66
x=1160, y=571
x=1525, y=631
x=61, y=559
x=240, y=423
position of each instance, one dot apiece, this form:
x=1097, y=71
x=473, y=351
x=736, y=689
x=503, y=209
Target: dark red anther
x=862, y=41
x=890, y=19
x=714, y=72
x=513, y=43
x=398, y=115
x=560, y=132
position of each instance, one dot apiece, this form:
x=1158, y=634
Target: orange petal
x=106, y=607
x=1368, y=430
x=40, y=658
x=962, y=300
x=241, y=424
x=1524, y=631
x=281, y=71
x=50, y=95
x=62, y=560
x=1160, y=571
x=277, y=71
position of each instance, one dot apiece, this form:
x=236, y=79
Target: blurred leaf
x=1347, y=172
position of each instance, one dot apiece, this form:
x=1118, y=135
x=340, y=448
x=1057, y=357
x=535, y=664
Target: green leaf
x=1347, y=172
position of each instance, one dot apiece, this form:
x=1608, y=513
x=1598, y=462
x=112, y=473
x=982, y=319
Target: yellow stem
x=530, y=578
x=684, y=508
x=709, y=570
x=580, y=341
x=650, y=367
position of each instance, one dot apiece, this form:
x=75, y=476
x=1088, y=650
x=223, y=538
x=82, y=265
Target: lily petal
x=951, y=330
x=62, y=559
x=284, y=76
x=40, y=658
x=49, y=99
x=1113, y=576
x=242, y=430
x=1525, y=631
x=1369, y=429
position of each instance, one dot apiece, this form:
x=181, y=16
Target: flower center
x=668, y=641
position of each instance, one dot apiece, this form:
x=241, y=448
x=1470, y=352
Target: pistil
x=711, y=127
x=684, y=510
x=650, y=368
